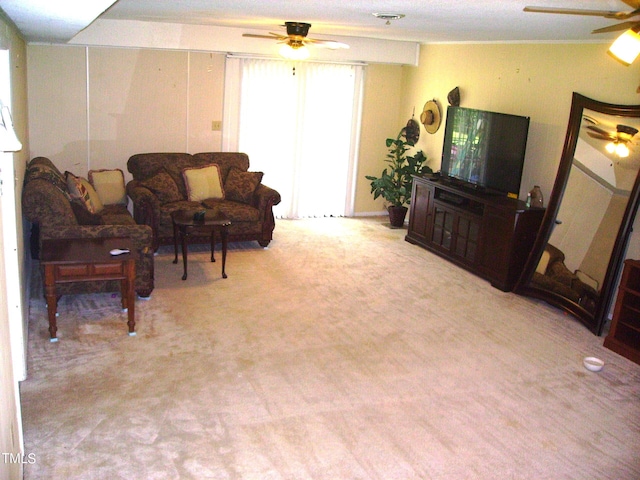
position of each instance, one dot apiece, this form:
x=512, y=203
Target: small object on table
x=184, y=222
x=86, y=260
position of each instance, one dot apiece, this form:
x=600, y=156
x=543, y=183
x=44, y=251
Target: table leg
x=213, y=243
x=223, y=234
x=175, y=243
x=184, y=233
x=129, y=294
x=52, y=300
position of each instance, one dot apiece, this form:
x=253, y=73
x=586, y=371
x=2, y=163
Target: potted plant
x=396, y=181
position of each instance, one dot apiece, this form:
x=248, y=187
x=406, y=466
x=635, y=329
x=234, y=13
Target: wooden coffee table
x=85, y=260
x=184, y=224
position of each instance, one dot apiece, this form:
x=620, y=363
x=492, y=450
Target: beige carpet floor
x=340, y=352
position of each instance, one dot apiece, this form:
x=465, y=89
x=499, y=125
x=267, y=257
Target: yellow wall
x=382, y=118
x=535, y=80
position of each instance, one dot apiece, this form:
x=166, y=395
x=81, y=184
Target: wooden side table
x=184, y=223
x=84, y=260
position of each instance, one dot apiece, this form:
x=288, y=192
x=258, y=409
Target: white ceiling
x=425, y=21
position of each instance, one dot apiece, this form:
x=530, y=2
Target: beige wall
x=10, y=419
x=114, y=102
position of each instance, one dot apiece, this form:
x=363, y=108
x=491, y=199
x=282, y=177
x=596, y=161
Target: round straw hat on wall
x=431, y=117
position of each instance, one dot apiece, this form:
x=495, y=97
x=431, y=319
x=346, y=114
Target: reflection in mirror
x=581, y=244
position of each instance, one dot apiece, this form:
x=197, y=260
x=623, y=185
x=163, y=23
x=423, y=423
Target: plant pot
x=397, y=215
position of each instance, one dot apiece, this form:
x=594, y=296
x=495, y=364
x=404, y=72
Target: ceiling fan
x=619, y=140
x=627, y=46
x=296, y=40
x=613, y=15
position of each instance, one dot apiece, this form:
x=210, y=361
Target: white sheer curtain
x=299, y=126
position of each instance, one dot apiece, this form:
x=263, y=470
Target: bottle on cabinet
x=534, y=197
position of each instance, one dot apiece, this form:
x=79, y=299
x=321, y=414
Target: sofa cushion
x=239, y=186
x=203, y=182
x=109, y=184
x=81, y=189
x=235, y=211
x=163, y=186
x=116, y=214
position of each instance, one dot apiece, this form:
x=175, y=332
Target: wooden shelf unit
x=487, y=234
x=624, y=334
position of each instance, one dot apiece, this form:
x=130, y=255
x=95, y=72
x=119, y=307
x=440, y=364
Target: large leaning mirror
x=578, y=254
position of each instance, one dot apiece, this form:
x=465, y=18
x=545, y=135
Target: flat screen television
x=484, y=150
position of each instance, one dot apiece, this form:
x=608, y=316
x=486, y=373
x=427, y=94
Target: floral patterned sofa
x=48, y=204
x=160, y=186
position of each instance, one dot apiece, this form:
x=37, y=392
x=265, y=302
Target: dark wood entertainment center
x=489, y=235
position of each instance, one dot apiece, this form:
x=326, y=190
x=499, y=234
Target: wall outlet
x=216, y=125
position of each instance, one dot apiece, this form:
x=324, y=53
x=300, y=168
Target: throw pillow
x=81, y=189
x=163, y=186
x=110, y=186
x=240, y=185
x=203, y=182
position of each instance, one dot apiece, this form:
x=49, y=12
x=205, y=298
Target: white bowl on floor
x=593, y=364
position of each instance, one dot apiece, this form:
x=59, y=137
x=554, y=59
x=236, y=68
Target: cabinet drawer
x=91, y=270
x=106, y=269
x=65, y=271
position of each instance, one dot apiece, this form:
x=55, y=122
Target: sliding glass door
x=299, y=125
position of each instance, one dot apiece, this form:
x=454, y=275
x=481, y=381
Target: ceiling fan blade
x=271, y=36
x=599, y=137
x=616, y=28
x=333, y=45
x=599, y=131
x=632, y=3
x=576, y=11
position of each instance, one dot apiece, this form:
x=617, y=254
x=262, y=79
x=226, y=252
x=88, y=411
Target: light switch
x=216, y=125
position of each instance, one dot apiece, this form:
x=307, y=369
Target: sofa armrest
x=145, y=202
x=265, y=197
x=146, y=207
x=141, y=235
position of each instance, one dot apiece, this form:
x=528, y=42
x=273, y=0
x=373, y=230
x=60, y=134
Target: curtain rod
x=269, y=57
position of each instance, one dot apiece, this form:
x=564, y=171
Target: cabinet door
x=443, y=222
x=466, y=237
x=420, y=218
x=497, y=244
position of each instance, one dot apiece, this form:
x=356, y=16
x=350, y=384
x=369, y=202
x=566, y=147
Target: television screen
x=485, y=149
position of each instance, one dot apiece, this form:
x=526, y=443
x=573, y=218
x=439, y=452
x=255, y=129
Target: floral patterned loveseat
x=47, y=203
x=158, y=188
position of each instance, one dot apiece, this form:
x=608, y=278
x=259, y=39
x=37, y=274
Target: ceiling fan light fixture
x=618, y=148
x=626, y=47
x=294, y=51
x=622, y=150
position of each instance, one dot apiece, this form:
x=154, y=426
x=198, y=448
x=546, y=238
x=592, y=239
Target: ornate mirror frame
x=595, y=315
